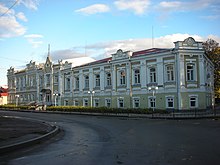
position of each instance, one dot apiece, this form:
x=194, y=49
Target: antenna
x=152, y=36
x=48, y=49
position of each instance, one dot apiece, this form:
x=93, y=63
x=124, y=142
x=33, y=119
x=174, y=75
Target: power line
x=9, y=8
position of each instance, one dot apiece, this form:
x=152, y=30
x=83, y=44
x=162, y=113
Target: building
x=178, y=78
x=3, y=95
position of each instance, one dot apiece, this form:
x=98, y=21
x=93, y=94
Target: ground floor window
x=193, y=101
x=96, y=102
x=152, y=102
x=76, y=102
x=169, y=102
x=108, y=103
x=85, y=102
x=136, y=102
x=120, y=102
x=66, y=102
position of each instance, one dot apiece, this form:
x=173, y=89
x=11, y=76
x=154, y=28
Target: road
x=92, y=140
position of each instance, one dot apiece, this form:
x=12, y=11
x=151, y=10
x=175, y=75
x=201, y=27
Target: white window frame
x=152, y=75
x=152, y=99
x=135, y=100
x=76, y=102
x=67, y=83
x=77, y=82
x=191, y=73
x=193, y=98
x=85, y=102
x=97, y=80
x=96, y=102
x=108, y=79
x=121, y=100
x=86, y=81
x=122, y=77
x=137, y=76
x=108, y=102
x=168, y=99
x=170, y=75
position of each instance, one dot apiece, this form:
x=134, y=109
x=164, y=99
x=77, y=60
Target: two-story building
x=178, y=78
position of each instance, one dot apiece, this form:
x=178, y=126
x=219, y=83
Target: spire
x=48, y=54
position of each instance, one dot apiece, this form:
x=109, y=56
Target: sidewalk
x=16, y=133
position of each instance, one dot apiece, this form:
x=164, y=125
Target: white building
x=179, y=78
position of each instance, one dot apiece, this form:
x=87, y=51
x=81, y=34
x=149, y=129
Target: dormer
x=188, y=43
x=121, y=55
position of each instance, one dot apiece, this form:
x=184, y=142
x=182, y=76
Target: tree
x=212, y=50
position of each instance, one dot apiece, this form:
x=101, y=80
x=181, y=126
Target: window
x=137, y=76
x=122, y=78
x=97, y=80
x=193, y=101
x=169, y=73
x=136, y=102
x=48, y=80
x=109, y=79
x=190, y=72
x=85, y=102
x=153, y=75
x=108, y=103
x=170, y=102
x=76, y=102
x=121, y=103
x=96, y=102
x=86, y=81
x=152, y=102
x=56, y=80
x=67, y=83
x=66, y=102
x=76, y=82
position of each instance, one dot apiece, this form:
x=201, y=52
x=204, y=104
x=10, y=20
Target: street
x=88, y=140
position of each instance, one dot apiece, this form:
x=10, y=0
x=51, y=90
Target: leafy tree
x=212, y=50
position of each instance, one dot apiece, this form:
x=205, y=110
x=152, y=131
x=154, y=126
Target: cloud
x=9, y=26
x=31, y=4
x=21, y=16
x=66, y=54
x=105, y=49
x=93, y=9
x=34, y=39
x=139, y=7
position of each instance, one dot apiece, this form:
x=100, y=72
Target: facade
x=178, y=78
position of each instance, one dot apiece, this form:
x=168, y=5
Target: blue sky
x=97, y=28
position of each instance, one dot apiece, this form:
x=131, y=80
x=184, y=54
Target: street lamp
x=153, y=89
x=91, y=94
x=55, y=98
x=16, y=97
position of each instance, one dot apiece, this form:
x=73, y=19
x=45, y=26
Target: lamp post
x=91, y=95
x=55, y=98
x=16, y=97
x=153, y=89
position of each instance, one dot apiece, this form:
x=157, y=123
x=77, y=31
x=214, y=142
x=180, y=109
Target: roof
x=134, y=54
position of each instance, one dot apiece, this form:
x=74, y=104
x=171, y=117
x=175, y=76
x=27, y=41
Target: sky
x=87, y=30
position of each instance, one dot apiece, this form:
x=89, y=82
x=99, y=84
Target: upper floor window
x=137, y=78
x=47, y=79
x=76, y=82
x=108, y=79
x=56, y=80
x=67, y=83
x=190, y=72
x=86, y=81
x=153, y=75
x=122, y=78
x=169, y=72
x=97, y=80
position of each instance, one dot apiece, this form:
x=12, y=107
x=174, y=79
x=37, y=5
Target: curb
x=27, y=143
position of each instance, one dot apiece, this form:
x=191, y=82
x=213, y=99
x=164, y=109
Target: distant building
x=178, y=78
x=3, y=95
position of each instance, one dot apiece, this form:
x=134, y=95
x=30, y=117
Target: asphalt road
x=90, y=140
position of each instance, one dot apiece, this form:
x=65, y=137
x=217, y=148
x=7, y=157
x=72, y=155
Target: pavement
x=17, y=133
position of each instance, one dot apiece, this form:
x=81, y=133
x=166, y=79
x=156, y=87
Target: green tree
x=212, y=50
